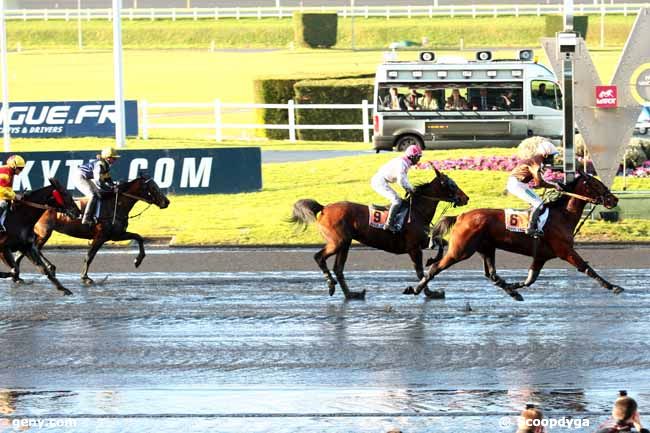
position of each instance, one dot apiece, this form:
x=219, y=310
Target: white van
x=453, y=102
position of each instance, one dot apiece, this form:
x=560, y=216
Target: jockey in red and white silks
x=395, y=171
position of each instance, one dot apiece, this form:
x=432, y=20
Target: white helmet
x=547, y=148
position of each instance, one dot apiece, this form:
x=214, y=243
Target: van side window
x=546, y=94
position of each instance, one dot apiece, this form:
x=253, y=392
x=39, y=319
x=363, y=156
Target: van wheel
x=643, y=131
x=406, y=140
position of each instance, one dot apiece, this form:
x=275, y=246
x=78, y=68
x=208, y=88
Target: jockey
x=531, y=169
x=93, y=178
x=14, y=166
x=395, y=170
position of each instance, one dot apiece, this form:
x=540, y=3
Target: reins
x=579, y=197
x=36, y=205
x=135, y=197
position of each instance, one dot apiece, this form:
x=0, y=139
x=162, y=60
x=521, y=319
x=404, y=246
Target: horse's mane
x=563, y=199
x=421, y=188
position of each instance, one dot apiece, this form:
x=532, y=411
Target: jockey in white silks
x=395, y=171
x=93, y=178
x=531, y=169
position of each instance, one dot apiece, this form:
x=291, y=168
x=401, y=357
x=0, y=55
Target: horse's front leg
x=90, y=255
x=135, y=237
x=416, y=257
x=581, y=265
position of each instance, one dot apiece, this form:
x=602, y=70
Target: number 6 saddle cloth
x=518, y=220
x=378, y=215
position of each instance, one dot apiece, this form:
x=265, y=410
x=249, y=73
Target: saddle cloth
x=378, y=215
x=518, y=220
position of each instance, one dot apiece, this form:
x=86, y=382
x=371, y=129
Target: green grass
x=259, y=218
x=442, y=32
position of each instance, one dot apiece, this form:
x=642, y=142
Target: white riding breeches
x=383, y=189
x=525, y=193
x=88, y=187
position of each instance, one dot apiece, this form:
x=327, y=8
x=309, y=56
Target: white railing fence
x=219, y=108
x=343, y=11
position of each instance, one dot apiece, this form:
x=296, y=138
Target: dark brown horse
x=342, y=222
x=19, y=234
x=112, y=224
x=483, y=231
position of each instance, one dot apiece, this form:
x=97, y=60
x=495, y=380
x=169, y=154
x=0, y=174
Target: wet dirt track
x=233, y=351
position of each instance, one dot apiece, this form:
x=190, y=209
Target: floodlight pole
x=118, y=79
x=567, y=78
x=6, y=127
x=352, y=23
x=79, y=35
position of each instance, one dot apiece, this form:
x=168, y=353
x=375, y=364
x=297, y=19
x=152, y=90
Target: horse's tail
x=304, y=212
x=443, y=226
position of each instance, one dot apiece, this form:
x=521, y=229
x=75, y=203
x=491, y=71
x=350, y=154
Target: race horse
x=340, y=223
x=19, y=224
x=483, y=231
x=112, y=222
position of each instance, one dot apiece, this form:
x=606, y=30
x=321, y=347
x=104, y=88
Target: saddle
x=378, y=215
x=518, y=220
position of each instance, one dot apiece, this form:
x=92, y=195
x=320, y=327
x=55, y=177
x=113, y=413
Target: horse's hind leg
x=491, y=273
x=339, y=264
x=36, y=257
x=321, y=259
x=94, y=247
x=41, y=240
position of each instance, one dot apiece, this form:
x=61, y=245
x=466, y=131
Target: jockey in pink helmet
x=395, y=171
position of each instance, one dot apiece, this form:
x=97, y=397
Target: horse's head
x=62, y=200
x=445, y=189
x=145, y=187
x=589, y=186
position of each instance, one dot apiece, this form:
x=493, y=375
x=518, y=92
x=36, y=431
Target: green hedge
x=555, y=23
x=339, y=91
x=315, y=30
x=278, y=89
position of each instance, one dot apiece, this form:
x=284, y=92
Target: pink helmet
x=413, y=151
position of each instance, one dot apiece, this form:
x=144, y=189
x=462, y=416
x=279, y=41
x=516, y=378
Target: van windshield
x=448, y=96
x=546, y=94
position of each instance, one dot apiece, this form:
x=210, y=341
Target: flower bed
x=508, y=163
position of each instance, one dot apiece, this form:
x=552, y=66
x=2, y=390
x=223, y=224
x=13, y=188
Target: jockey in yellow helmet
x=15, y=164
x=93, y=178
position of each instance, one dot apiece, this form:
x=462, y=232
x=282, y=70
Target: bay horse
x=19, y=224
x=112, y=223
x=341, y=222
x=483, y=231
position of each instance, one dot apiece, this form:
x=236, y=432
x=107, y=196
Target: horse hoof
x=617, y=290
x=332, y=289
x=434, y=294
x=88, y=281
x=65, y=291
x=356, y=295
x=408, y=291
x=516, y=295
x=138, y=261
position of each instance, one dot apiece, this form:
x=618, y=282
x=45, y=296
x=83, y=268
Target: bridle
x=599, y=201
x=452, y=199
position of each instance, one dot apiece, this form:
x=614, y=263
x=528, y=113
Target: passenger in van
x=412, y=100
x=483, y=102
x=394, y=101
x=429, y=102
x=507, y=101
x=455, y=101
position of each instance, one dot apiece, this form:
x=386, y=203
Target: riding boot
x=89, y=212
x=392, y=216
x=533, y=226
